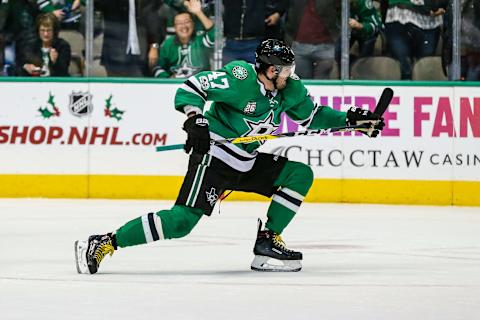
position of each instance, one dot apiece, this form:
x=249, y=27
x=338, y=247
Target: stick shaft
x=250, y=139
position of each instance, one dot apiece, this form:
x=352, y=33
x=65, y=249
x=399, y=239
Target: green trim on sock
x=131, y=234
x=278, y=217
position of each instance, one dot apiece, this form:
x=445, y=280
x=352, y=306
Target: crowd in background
x=176, y=38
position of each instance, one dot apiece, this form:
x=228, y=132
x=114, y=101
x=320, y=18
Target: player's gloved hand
x=198, y=135
x=373, y=122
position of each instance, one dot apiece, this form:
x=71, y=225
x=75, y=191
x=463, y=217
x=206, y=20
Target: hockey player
x=247, y=100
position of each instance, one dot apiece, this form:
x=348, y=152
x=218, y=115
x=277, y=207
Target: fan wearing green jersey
x=247, y=100
x=187, y=52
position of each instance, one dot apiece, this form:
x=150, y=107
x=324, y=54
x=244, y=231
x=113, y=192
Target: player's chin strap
x=284, y=71
x=263, y=71
x=273, y=80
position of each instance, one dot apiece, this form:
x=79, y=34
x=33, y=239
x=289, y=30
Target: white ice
x=360, y=262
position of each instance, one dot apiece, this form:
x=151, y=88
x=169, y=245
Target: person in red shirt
x=312, y=27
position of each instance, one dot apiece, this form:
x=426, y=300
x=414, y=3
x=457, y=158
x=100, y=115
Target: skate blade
x=81, y=256
x=267, y=264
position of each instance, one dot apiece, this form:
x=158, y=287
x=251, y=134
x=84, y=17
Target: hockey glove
x=373, y=122
x=198, y=136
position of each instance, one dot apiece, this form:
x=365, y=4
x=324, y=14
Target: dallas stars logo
x=212, y=196
x=112, y=112
x=240, y=72
x=47, y=112
x=265, y=126
x=185, y=70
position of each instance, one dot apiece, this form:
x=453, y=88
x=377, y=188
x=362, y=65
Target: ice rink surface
x=360, y=262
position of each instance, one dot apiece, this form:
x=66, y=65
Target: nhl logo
x=80, y=104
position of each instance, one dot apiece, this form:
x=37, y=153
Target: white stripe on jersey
x=188, y=89
x=188, y=109
x=206, y=41
x=197, y=84
x=231, y=160
x=237, y=164
x=233, y=147
x=157, y=72
x=306, y=122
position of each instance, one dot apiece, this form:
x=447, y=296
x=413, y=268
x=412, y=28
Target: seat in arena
x=375, y=68
x=428, y=68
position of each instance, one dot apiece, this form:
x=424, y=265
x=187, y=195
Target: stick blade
x=384, y=101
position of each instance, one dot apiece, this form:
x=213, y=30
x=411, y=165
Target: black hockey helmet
x=273, y=52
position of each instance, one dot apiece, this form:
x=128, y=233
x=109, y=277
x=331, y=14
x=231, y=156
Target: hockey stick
x=382, y=105
x=264, y=137
x=383, y=102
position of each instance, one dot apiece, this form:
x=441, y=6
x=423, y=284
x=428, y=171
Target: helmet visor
x=285, y=71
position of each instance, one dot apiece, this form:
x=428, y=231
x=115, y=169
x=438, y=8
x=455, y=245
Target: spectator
x=469, y=39
x=177, y=6
x=66, y=11
x=312, y=27
x=244, y=25
x=186, y=53
x=412, y=29
x=18, y=30
x=365, y=25
x=50, y=55
x=131, y=36
x=274, y=28
x=3, y=20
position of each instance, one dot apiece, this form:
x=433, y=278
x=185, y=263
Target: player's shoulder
x=240, y=70
x=294, y=82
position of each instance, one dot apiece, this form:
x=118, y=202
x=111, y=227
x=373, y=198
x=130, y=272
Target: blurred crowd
x=388, y=39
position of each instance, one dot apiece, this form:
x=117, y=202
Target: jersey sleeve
x=160, y=70
x=45, y=6
x=307, y=113
x=208, y=39
x=219, y=86
x=370, y=19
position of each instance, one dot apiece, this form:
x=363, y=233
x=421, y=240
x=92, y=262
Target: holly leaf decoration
x=46, y=112
x=112, y=113
x=50, y=99
x=117, y=114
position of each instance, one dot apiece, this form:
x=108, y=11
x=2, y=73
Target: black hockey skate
x=89, y=254
x=271, y=254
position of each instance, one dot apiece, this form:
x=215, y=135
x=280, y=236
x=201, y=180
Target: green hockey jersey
x=242, y=107
x=182, y=61
x=365, y=12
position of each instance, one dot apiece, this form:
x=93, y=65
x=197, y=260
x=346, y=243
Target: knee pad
x=178, y=222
